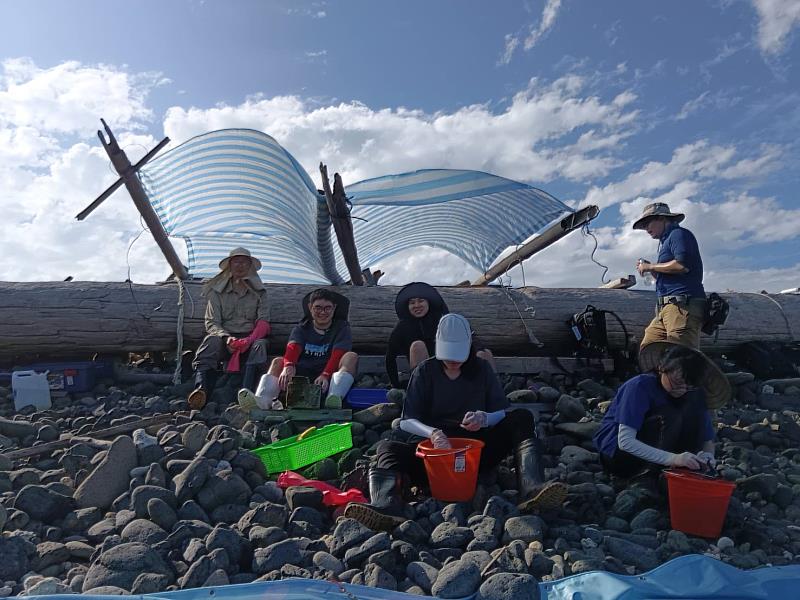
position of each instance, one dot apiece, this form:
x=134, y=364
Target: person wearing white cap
x=678, y=271
x=236, y=324
x=456, y=394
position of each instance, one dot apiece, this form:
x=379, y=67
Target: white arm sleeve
x=416, y=427
x=626, y=440
x=494, y=418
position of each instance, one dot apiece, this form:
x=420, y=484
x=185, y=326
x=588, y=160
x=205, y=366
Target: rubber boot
x=341, y=382
x=387, y=509
x=205, y=382
x=265, y=396
x=536, y=494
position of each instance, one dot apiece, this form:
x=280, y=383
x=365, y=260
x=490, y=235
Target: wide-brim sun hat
x=223, y=264
x=657, y=209
x=714, y=383
x=453, y=338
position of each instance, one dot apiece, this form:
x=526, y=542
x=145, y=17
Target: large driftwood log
x=76, y=319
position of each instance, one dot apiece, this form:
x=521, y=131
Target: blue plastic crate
x=74, y=376
x=365, y=397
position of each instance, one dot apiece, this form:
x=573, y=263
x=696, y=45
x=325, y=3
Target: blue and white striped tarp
x=471, y=214
x=693, y=576
x=239, y=187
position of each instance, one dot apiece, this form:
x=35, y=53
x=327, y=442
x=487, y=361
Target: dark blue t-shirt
x=634, y=400
x=317, y=347
x=680, y=244
x=438, y=401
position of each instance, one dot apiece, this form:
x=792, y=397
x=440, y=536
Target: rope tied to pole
x=529, y=309
x=176, y=376
x=783, y=314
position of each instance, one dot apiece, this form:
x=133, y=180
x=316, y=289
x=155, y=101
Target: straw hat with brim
x=223, y=264
x=657, y=209
x=714, y=383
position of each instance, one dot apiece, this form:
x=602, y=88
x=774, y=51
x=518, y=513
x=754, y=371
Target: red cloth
x=240, y=345
x=331, y=496
x=261, y=330
x=292, y=354
x=236, y=347
x=333, y=362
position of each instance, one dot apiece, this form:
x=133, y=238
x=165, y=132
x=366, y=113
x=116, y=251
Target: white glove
x=277, y=405
x=440, y=440
x=473, y=421
x=707, y=458
x=687, y=460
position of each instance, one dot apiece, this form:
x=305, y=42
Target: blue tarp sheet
x=694, y=576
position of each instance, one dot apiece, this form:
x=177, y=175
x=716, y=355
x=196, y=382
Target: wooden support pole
x=540, y=242
x=128, y=175
x=302, y=414
x=118, y=183
x=93, y=435
x=342, y=225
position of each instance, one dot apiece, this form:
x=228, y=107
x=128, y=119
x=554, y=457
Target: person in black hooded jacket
x=419, y=307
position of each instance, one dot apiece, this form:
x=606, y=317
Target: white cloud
x=48, y=172
x=71, y=97
x=549, y=15
x=698, y=161
x=535, y=32
x=692, y=106
x=776, y=19
x=530, y=140
x=512, y=41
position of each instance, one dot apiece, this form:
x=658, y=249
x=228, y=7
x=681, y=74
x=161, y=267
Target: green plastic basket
x=290, y=454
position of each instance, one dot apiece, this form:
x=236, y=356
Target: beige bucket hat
x=715, y=383
x=223, y=264
x=657, y=209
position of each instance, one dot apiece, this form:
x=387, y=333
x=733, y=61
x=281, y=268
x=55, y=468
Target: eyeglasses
x=323, y=309
x=676, y=381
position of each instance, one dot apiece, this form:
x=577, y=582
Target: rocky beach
x=185, y=503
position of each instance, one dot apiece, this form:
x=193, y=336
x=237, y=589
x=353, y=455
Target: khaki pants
x=677, y=323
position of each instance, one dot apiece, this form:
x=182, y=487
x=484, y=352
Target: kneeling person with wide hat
x=660, y=418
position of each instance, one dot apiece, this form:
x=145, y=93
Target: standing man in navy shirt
x=681, y=299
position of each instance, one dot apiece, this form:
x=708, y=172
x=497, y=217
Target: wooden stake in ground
x=342, y=225
x=540, y=242
x=127, y=173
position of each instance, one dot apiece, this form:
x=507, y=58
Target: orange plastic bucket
x=452, y=473
x=697, y=504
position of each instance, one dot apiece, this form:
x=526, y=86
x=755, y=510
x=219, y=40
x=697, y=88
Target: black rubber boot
x=533, y=490
x=387, y=509
x=205, y=381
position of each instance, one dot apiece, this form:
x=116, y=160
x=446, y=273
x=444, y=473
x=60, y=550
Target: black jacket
x=410, y=329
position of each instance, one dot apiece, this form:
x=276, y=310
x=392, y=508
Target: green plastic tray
x=289, y=454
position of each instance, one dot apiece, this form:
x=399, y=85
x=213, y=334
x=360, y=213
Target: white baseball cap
x=453, y=338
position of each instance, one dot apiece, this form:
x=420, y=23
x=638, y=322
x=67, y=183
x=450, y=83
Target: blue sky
x=614, y=103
